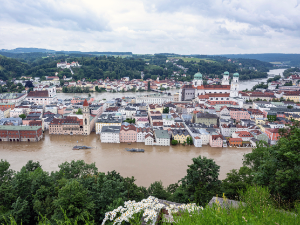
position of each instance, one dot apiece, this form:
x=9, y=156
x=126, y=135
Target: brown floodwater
x=167, y=164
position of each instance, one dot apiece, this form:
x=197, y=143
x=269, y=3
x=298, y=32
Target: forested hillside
x=290, y=59
x=41, y=64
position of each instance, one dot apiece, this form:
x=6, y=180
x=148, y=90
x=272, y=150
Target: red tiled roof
x=38, y=94
x=129, y=127
x=203, y=97
x=218, y=94
x=215, y=137
x=158, y=123
x=85, y=103
x=217, y=87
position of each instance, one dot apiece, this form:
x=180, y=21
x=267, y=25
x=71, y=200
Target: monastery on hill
x=222, y=92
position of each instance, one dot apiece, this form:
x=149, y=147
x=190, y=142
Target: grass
x=192, y=59
x=259, y=209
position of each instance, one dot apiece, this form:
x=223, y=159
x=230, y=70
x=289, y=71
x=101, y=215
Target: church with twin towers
x=224, y=92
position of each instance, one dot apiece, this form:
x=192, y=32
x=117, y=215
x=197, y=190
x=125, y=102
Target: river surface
x=168, y=164
x=244, y=84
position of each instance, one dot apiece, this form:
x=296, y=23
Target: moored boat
x=135, y=150
x=77, y=147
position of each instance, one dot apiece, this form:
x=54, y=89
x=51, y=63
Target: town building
x=21, y=133
x=205, y=118
x=107, y=119
x=149, y=139
x=110, y=134
x=15, y=98
x=162, y=137
x=154, y=99
x=235, y=142
x=216, y=141
x=273, y=135
x=215, y=92
x=180, y=135
x=40, y=97
x=142, y=132
x=128, y=133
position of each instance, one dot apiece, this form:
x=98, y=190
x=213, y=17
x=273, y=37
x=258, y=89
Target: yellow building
x=260, y=121
x=155, y=107
x=107, y=120
x=6, y=112
x=180, y=135
x=293, y=116
x=292, y=95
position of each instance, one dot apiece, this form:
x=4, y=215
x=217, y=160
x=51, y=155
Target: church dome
x=236, y=75
x=226, y=73
x=198, y=76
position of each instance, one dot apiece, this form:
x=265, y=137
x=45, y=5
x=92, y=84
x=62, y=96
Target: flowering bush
x=191, y=207
x=132, y=212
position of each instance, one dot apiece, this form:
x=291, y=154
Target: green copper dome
x=236, y=75
x=198, y=76
x=226, y=73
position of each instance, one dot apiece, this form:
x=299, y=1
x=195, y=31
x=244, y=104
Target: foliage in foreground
x=81, y=192
x=258, y=209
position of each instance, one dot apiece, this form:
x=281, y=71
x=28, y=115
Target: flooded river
x=167, y=164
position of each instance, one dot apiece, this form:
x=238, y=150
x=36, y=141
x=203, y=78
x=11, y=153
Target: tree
x=166, y=110
x=29, y=84
x=174, y=142
x=22, y=116
x=201, y=182
x=189, y=140
x=277, y=166
x=157, y=189
x=76, y=169
x=289, y=106
x=79, y=111
x=149, y=86
x=74, y=200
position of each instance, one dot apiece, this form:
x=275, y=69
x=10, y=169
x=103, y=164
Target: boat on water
x=135, y=150
x=77, y=147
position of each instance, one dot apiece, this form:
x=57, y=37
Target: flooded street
x=167, y=164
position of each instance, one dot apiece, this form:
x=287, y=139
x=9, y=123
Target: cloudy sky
x=152, y=26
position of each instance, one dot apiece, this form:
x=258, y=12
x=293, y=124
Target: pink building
x=128, y=133
x=216, y=141
x=239, y=114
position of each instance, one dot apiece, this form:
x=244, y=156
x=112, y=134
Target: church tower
x=234, y=89
x=86, y=118
x=225, y=80
x=197, y=80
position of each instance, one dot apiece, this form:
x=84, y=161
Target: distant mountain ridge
x=43, y=50
x=267, y=57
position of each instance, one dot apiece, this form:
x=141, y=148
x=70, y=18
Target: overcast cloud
x=151, y=26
